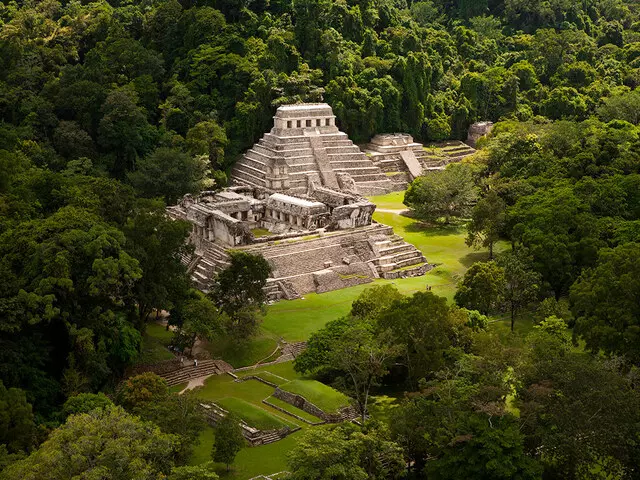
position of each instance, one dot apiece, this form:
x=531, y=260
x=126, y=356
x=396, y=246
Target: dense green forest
x=110, y=110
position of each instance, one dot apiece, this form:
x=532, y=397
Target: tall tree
x=482, y=288
x=364, y=357
x=107, y=443
x=229, y=440
x=167, y=173
x=603, y=303
x=487, y=223
x=158, y=243
x=447, y=194
x=522, y=283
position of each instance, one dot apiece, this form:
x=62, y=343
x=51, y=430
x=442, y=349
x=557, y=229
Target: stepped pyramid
x=305, y=146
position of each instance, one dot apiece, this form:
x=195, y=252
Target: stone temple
x=296, y=199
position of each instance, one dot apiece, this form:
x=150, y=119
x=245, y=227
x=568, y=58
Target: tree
x=346, y=452
x=625, y=106
x=482, y=288
x=167, y=173
x=147, y=396
x=124, y=130
x=199, y=318
x=487, y=450
x=107, y=443
x=208, y=138
x=445, y=193
x=238, y=292
x=561, y=397
x=522, y=283
x=85, y=403
x=487, y=222
x=229, y=440
x=424, y=328
x=603, y=303
x=457, y=426
x=193, y=472
x=18, y=432
x=364, y=357
x=158, y=243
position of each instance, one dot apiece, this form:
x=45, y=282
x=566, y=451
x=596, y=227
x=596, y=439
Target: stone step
x=398, y=257
x=403, y=247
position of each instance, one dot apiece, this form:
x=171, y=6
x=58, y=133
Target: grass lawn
x=154, y=344
x=254, y=416
x=246, y=353
x=295, y=410
x=251, y=461
x=178, y=388
x=267, y=376
x=321, y=395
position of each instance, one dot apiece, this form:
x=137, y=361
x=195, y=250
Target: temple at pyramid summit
x=296, y=198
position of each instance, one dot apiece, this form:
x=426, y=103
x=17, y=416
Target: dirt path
x=396, y=211
x=194, y=382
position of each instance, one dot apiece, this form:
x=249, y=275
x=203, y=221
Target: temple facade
x=296, y=199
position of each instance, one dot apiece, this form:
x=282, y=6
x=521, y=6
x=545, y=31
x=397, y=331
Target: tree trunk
x=513, y=316
x=490, y=250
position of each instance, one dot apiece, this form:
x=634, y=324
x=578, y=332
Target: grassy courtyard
x=245, y=400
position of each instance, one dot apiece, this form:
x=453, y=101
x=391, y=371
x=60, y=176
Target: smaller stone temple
x=402, y=159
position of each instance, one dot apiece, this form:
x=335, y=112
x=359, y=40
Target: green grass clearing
x=155, y=341
x=268, y=376
x=295, y=410
x=251, y=461
x=178, y=388
x=253, y=416
x=246, y=353
x=260, y=232
x=321, y=395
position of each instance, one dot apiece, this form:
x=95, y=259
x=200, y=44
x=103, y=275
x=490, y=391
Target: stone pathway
x=391, y=210
x=194, y=383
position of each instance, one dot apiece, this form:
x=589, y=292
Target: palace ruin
x=297, y=199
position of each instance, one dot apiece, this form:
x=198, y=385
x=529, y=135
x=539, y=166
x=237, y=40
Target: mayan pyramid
x=305, y=145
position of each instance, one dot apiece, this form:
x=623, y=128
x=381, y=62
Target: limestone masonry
x=296, y=199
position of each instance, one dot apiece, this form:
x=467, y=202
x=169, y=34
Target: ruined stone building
x=296, y=199
x=402, y=159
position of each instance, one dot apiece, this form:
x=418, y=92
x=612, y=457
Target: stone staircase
x=395, y=256
x=322, y=161
x=279, y=290
x=293, y=349
x=188, y=371
x=213, y=260
x=311, y=154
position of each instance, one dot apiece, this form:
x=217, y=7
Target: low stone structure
x=300, y=207
x=402, y=159
x=298, y=401
x=255, y=437
x=477, y=131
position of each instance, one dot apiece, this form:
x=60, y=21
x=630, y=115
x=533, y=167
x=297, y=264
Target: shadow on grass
x=434, y=230
x=473, y=257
